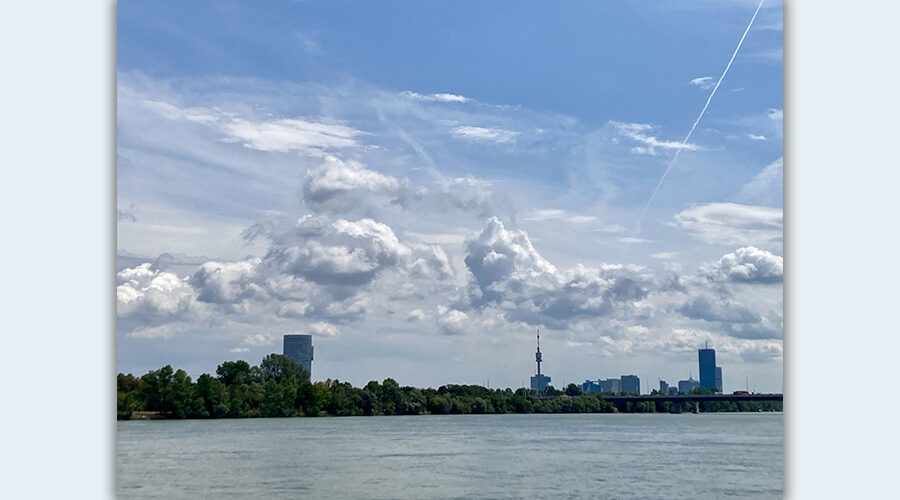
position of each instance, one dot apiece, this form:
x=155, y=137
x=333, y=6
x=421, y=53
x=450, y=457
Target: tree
x=573, y=390
x=233, y=372
x=210, y=397
x=167, y=391
x=276, y=367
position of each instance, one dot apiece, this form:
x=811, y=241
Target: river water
x=713, y=455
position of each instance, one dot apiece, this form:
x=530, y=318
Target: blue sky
x=445, y=177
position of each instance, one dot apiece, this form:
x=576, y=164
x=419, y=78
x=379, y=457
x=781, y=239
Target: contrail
x=697, y=121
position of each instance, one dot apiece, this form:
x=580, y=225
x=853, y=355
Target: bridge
x=692, y=398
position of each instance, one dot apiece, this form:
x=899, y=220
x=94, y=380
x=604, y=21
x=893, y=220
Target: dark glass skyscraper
x=631, y=383
x=707, y=368
x=300, y=349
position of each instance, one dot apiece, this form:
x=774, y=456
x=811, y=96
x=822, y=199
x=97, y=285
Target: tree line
x=279, y=387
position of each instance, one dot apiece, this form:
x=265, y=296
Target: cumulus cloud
x=260, y=339
x=146, y=292
x=429, y=262
x=451, y=320
x=415, y=315
x=482, y=134
x=724, y=311
x=333, y=252
x=467, y=193
x=338, y=185
x=509, y=273
x=226, y=282
x=747, y=265
x=636, y=131
x=733, y=224
x=323, y=328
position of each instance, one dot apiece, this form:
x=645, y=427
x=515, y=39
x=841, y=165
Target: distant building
x=300, y=349
x=591, y=386
x=612, y=385
x=631, y=383
x=707, y=359
x=719, y=378
x=688, y=385
x=663, y=386
x=539, y=382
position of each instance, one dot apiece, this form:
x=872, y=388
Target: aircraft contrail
x=697, y=121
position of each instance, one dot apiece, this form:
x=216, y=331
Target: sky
x=423, y=185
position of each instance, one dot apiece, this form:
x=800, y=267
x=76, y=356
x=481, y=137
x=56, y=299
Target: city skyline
x=422, y=202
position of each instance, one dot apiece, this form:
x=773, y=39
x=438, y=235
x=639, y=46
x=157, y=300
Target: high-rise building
x=590, y=386
x=719, y=378
x=707, y=358
x=688, y=385
x=631, y=383
x=663, y=386
x=539, y=382
x=300, y=349
x=612, y=385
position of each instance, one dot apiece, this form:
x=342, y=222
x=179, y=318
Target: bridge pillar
x=696, y=407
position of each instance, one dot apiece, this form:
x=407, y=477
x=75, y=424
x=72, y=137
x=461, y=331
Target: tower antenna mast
x=537, y=355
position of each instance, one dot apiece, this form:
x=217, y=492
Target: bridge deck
x=695, y=397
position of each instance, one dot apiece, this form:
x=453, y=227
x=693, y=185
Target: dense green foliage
x=278, y=387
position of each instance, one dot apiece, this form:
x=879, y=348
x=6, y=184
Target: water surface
x=714, y=455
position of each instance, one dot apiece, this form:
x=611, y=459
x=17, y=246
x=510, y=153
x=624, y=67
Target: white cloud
x=259, y=339
x=415, y=315
x=335, y=252
x=636, y=131
x=754, y=137
x=146, y=292
x=226, y=282
x=340, y=185
x=451, y=320
x=323, y=328
x=510, y=274
x=163, y=331
x=720, y=311
x=766, y=186
x=614, y=228
x=747, y=265
x=482, y=134
x=704, y=82
x=733, y=224
x=556, y=214
x=279, y=135
x=664, y=255
x=440, y=97
x=286, y=135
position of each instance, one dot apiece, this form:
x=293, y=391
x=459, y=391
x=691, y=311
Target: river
x=712, y=455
